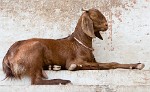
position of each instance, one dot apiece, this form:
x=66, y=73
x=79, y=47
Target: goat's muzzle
x=104, y=28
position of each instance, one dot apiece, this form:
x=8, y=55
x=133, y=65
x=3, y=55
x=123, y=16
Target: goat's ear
x=87, y=25
x=97, y=34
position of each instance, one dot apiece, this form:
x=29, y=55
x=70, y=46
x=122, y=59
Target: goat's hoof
x=140, y=66
x=72, y=67
x=59, y=82
x=56, y=68
x=66, y=82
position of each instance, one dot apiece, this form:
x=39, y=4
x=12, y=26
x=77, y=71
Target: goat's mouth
x=97, y=34
x=103, y=29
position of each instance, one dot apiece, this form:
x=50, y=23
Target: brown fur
x=32, y=55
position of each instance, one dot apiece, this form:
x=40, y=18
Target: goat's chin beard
x=97, y=34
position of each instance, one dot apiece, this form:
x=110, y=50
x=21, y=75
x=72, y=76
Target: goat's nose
x=106, y=24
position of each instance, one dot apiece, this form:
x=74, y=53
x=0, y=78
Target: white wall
x=126, y=41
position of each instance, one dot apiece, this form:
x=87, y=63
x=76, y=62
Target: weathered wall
x=126, y=41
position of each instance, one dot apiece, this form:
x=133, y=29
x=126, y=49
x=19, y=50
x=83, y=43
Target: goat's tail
x=7, y=69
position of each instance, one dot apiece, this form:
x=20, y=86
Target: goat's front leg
x=131, y=66
x=115, y=65
x=103, y=66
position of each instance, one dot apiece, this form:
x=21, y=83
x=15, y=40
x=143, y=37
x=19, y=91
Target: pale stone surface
x=74, y=88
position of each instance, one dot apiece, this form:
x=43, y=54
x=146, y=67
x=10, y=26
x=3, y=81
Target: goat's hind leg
x=36, y=79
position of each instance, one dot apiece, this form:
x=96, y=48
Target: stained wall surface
x=126, y=41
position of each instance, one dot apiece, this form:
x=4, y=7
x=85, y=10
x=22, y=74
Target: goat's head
x=93, y=21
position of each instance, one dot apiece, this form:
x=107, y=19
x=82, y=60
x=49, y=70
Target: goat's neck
x=81, y=36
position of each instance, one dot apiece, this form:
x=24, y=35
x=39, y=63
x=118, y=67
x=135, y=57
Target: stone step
x=118, y=77
x=74, y=88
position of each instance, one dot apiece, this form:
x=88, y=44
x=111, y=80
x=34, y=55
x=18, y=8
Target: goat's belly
x=53, y=62
x=60, y=63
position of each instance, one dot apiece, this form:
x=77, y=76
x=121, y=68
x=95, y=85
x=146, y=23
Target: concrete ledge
x=92, y=77
x=72, y=88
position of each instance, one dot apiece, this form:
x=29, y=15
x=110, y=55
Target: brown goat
x=73, y=52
